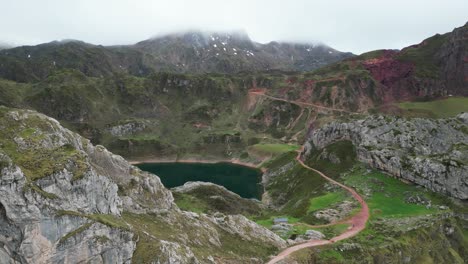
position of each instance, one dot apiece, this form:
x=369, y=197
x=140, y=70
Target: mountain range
x=189, y=52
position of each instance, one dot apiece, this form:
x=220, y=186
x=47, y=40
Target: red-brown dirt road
x=357, y=222
x=299, y=103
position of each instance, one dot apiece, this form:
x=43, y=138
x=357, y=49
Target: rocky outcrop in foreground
x=431, y=153
x=63, y=200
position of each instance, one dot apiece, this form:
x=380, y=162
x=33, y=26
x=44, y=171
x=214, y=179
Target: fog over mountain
x=344, y=25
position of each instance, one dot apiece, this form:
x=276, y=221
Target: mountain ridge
x=189, y=52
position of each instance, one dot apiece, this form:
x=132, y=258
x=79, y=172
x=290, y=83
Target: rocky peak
x=198, y=39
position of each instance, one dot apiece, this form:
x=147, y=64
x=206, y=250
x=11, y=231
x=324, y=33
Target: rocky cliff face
x=453, y=60
x=35, y=191
x=431, y=153
x=63, y=200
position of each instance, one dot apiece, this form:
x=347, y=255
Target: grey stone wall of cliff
x=453, y=61
x=33, y=227
x=429, y=152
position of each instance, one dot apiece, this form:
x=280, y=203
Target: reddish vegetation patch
x=306, y=94
x=465, y=59
x=386, y=69
x=309, y=83
x=284, y=90
x=391, y=73
x=253, y=96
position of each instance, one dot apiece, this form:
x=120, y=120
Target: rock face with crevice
x=431, y=153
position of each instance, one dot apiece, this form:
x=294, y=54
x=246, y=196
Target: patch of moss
x=326, y=200
x=36, y=161
x=109, y=220
x=43, y=193
x=331, y=256
x=102, y=239
x=71, y=213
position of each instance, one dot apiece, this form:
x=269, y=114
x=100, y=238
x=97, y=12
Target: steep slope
x=63, y=200
x=33, y=63
x=435, y=68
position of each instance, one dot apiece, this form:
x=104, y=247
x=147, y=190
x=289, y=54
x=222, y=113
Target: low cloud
x=355, y=26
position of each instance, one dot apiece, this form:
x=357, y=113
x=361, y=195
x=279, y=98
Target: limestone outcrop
x=429, y=152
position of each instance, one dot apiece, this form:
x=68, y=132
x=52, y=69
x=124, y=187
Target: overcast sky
x=347, y=25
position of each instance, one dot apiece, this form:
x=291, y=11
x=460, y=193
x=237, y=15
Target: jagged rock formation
x=431, y=153
x=129, y=128
x=63, y=200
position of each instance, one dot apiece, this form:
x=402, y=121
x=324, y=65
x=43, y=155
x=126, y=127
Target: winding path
x=358, y=221
x=299, y=103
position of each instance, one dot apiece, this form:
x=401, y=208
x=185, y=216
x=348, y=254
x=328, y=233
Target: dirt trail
x=299, y=103
x=357, y=222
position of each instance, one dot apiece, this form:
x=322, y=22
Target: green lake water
x=242, y=180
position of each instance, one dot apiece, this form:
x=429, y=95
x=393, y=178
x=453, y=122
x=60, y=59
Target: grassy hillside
x=447, y=107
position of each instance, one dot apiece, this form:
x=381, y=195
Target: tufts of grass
x=43, y=193
x=326, y=200
x=75, y=232
x=109, y=220
x=269, y=221
x=331, y=256
x=448, y=107
x=387, y=194
x=273, y=149
x=343, y=150
x=190, y=203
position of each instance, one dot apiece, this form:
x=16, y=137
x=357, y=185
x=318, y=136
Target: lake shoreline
x=231, y=174
x=233, y=161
